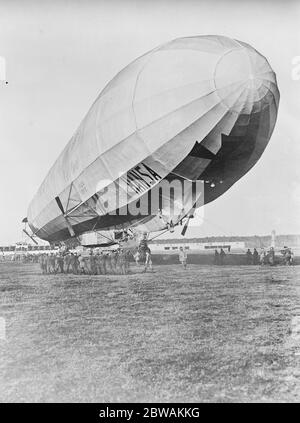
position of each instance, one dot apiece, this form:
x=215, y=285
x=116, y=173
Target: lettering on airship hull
x=140, y=178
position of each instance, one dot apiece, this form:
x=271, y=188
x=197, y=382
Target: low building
x=194, y=247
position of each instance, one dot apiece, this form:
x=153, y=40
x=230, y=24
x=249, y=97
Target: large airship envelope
x=200, y=108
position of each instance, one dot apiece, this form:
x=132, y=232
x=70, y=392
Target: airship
x=198, y=110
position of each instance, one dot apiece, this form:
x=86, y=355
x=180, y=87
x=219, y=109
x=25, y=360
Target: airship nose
x=243, y=79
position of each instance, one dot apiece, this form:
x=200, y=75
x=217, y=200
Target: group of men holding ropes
x=95, y=263
x=99, y=263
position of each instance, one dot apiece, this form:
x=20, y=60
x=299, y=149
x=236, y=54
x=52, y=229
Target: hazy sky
x=60, y=54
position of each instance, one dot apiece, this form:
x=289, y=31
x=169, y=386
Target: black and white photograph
x=149, y=203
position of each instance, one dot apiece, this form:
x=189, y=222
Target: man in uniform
x=263, y=257
x=66, y=262
x=113, y=261
x=222, y=256
x=255, y=256
x=272, y=256
x=56, y=262
x=127, y=261
x=248, y=257
x=51, y=263
x=98, y=263
x=81, y=264
x=74, y=263
x=148, y=261
x=121, y=262
x=137, y=256
x=42, y=263
x=216, y=257
x=91, y=263
x=183, y=257
x=103, y=263
x=287, y=253
x=108, y=263
x=60, y=261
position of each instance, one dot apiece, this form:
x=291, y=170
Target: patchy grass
x=205, y=334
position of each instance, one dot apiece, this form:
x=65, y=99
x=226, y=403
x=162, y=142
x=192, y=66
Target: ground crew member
x=287, y=256
x=255, y=256
x=262, y=257
x=249, y=257
x=91, y=263
x=51, y=263
x=47, y=263
x=272, y=256
x=137, y=256
x=98, y=264
x=75, y=263
x=102, y=263
x=60, y=261
x=217, y=257
x=121, y=262
x=113, y=261
x=67, y=262
x=56, y=265
x=108, y=263
x=148, y=261
x=183, y=257
x=81, y=264
x=127, y=261
x=43, y=263
x=222, y=256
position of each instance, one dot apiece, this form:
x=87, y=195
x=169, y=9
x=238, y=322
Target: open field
x=205, y=334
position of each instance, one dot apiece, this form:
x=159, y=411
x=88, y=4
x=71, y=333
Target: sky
x=59, y=56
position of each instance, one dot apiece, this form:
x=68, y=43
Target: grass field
x=205, y=334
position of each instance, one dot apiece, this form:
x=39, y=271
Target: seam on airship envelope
x=215, y=72
x=134, y=94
